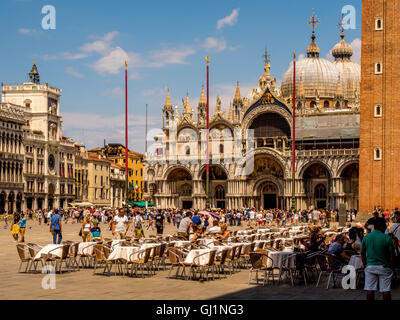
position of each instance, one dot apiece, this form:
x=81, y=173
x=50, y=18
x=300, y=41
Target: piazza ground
x=83, y=284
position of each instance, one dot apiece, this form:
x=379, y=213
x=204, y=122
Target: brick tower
x=379, y=183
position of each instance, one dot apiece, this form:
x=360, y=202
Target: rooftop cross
x=341, y=26
x=314, y=21
x=266, y=56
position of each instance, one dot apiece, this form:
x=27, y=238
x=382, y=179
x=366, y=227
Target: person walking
x=56, y=228
x=377, y=256
x=120, y=225
x=22, y=227
x=15, y=227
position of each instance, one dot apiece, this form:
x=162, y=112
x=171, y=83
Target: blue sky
x=165, y=43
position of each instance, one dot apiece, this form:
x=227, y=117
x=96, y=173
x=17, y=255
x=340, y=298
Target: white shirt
x=138, y=218
x=120, y=223
x=252, y=214
x=214, y=230
x=259, y=216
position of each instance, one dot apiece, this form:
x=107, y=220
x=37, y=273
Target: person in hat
x=95, y=232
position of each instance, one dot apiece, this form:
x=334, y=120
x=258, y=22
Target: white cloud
x=153, y=92
x=215, y=44
x=100, y=46
x=111, y=63
x=356, y=44
x=134, y=75
x=161, y=58
x=228, y=20
x=74, y=73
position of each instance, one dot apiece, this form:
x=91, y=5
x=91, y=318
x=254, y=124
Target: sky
x=165, y=43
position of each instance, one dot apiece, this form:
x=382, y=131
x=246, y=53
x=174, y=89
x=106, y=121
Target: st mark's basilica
x=327, y=142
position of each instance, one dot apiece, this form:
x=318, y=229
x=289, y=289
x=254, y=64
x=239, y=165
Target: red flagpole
x=126, y=135
x=294, y=132
x=208, y=132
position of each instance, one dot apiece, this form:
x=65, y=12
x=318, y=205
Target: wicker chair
x=25, y=257
x=259, y=263
x=177, y=261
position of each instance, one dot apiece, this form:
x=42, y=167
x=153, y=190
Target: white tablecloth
x=123, y=253
x=356, y=262
x=180, y=243
x=201, y=260
x=244, y=232
x=116, y=243
x=207, y=242
x=86, y=248
x=278, y=259
x=48, y=248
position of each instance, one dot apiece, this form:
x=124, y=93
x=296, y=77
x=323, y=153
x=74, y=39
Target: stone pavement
x=83, y=284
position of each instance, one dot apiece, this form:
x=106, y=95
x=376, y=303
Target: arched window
x=378, y=111
x=313, y=104
x=326, y=104
x=378, y=154
x=320, y=192
x=378, y=68
x=221, y=148
x=337, y=105
x=187, y=150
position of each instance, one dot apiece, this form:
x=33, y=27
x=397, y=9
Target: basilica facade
x=251, y=145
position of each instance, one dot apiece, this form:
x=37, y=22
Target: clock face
x=52, y=162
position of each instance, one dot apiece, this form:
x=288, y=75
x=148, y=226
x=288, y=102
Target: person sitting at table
x=354, y=242
x=95, y=232
x=198, y=233
x=337, y=250
x=225, y=234
x=315, y=242
x=139, y=232
x=215, y=228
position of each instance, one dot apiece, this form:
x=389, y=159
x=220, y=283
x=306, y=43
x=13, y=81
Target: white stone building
x=49, y=156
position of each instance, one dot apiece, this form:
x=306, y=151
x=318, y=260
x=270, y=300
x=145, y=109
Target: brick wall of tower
x=379, y=183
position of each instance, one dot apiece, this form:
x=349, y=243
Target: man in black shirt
x=159, y=223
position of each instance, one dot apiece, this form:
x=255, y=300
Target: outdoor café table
x=46, y=249
x=201, y=260
x=207, y=241
x=180, y=243
x=86, y=248
x=279, y=259
x=123, y=253
x=263, y=231
x=356, y=262
x=115, y=243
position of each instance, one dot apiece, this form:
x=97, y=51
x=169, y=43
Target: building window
x=378, y=24
x=378, y=111
x=326, y=104
x=377, y=154
x=378, y=68
x=313, y=104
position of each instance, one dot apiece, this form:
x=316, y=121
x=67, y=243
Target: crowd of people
x=377, y=244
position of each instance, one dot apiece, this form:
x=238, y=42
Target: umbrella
x=215, y=215
x=205, y=213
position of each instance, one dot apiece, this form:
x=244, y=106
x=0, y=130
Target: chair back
x=98, y=252
x=211, y=258
x=106, y=250
x=252, y=245
x=33, y=249
x=65, y=251
x=163, y=246
x=173, y=255
x=147, y=255
x=232, y=253
x=322, y=262
x=22, y=251
x=258, y=260
x=224, y=254
x=239, y=252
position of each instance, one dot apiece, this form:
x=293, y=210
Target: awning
x=141, y=204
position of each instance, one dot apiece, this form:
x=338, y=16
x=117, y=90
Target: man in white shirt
x=252, y=216
x=215, y=228
x=138, y=218
x=120, y=225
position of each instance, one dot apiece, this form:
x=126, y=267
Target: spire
x=202, y=96
x=237, y=93
x=218, y=105
x=230, y=116
x=34, y=74
x=168, y=102
x=186, y=104
x=313, y=49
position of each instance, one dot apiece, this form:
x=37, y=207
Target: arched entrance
x=316, y=184
x=268, y=175
x=320, y=196
x=218, y=178
x=51, y=196
x=19, y=202
x=11, y=200
x=220, y=196
x=349, y=186
x=180, y=185
x=2, y=202
x=269, y=195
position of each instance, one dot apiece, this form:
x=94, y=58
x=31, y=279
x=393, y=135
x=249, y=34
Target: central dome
x=317, y=75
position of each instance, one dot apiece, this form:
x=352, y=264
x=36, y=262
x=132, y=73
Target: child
x=95, y=232
x=139, y=230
